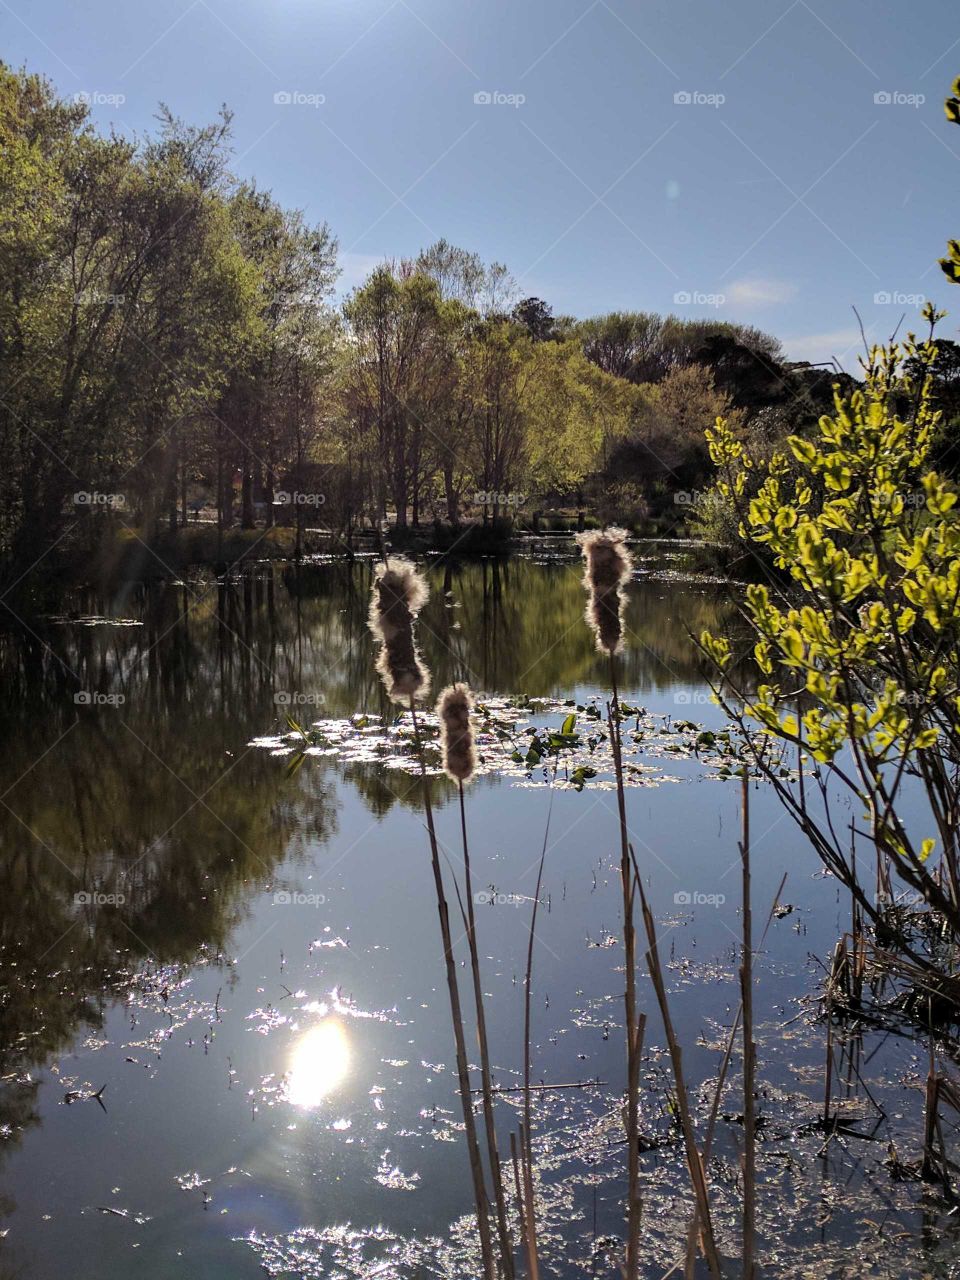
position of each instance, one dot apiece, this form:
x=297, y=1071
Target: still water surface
x=255, y=982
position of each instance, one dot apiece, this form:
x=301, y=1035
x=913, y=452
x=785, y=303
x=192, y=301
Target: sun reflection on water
x=319, y=1062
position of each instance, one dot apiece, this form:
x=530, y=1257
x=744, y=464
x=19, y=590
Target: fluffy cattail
x=399, y=593
x=609, y=565
x=456, y=732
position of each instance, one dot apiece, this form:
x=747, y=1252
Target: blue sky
x=781, y=194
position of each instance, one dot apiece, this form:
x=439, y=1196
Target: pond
x=225, y=1046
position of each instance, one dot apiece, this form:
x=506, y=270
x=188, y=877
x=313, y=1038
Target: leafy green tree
x=860, y=656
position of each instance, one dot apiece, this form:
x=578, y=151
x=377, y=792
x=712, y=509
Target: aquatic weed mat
x=532, y=742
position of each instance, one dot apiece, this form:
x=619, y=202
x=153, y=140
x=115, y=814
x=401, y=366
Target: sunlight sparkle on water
x=319, y=1061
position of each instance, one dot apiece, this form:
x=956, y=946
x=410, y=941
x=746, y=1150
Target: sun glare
x=319, y=1062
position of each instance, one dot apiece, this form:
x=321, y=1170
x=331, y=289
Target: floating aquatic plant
x=608, y=568
x=399, y=593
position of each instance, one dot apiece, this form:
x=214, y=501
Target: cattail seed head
x=399, y=593
x=456, y=732
x=608, y=568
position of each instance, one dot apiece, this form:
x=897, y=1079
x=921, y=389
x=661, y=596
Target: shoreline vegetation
x=179, y=353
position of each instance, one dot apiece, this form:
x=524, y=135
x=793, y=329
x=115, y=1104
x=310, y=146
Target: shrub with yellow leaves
x=858, y=645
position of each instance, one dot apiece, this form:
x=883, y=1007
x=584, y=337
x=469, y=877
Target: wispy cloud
x=760, y=292
x=842, y=343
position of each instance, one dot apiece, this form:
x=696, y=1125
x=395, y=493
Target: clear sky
x=783, y=191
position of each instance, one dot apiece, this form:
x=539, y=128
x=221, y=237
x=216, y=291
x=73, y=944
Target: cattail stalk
x=608, y=569
x=749, y=1051
x=460, y=761
x=698, y=1178
x=399, y=592
x=463, y=1073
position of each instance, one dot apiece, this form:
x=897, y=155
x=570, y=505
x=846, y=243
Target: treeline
x=170, y=350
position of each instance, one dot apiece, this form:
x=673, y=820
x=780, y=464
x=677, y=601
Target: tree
x=534, y=315
x=860, y=661
x=667, y=438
